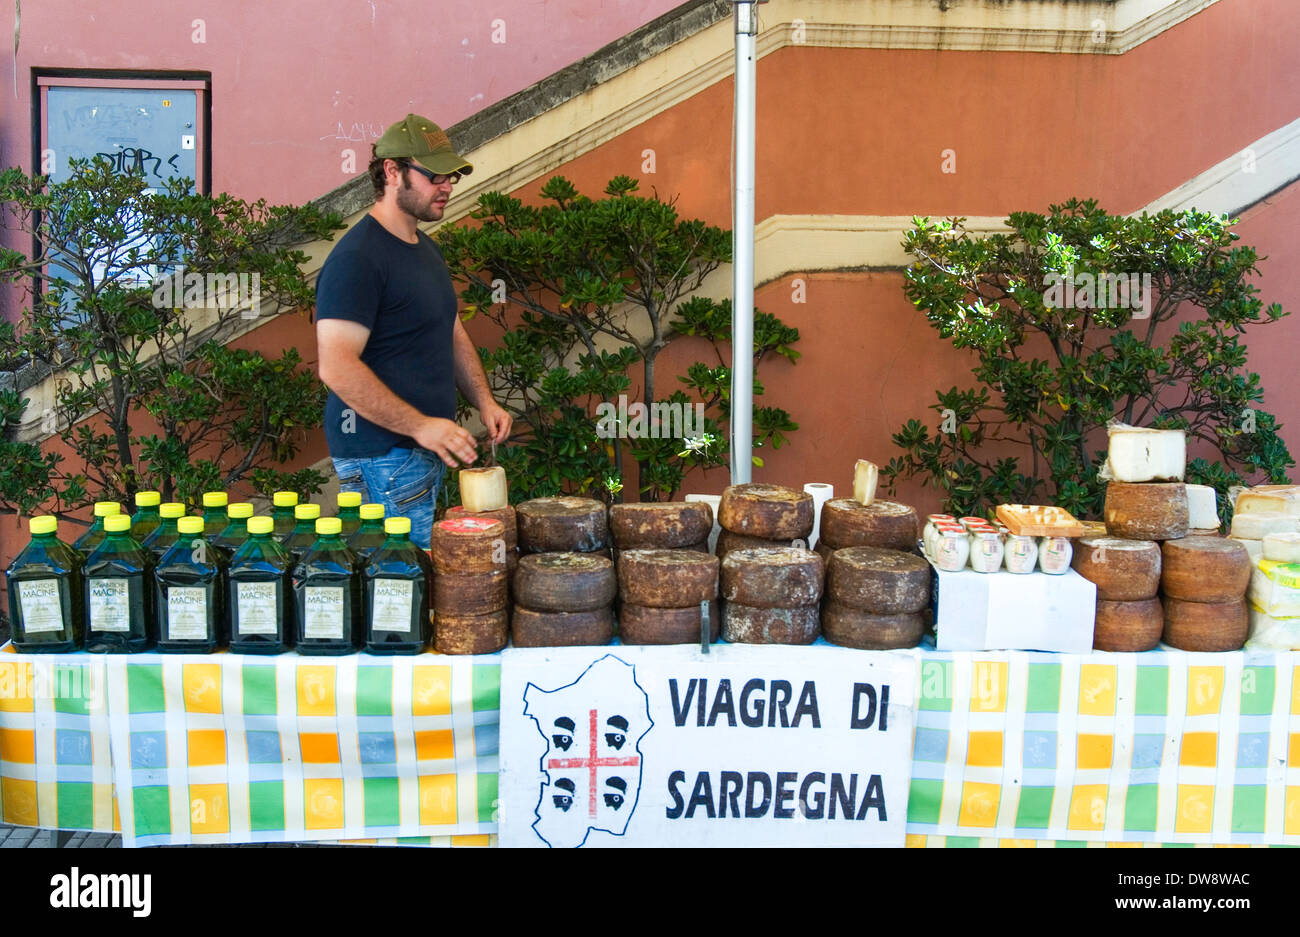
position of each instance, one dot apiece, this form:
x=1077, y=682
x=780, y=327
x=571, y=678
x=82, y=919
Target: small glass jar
x=951, y=550
x=937, y=534
x=985, y=551
x=931, y=522
x=1054, y=555
x=1021, y=554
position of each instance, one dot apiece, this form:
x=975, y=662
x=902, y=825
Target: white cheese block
x=1259, y=526
x=1146, y=455
x=484, y=489
x=865, y=477
x=1283, y=501
x=1202, y=507
x=1254, y=547
x=1283, y=548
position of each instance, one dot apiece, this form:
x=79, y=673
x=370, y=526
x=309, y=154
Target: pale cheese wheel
x=1123, y=570
x=638, y=624
x=667, y=578
x=745, y=624
x=460, y=594
x=660, y=525
x=879, y=581
x=562, y=525
x=772, y=512
x=470, y=634
x=787, y=577
x=1136, y=454
x=1259, y=525
x=484, y=489
x=1202, y=507
x=468, y=544
x=1204, y=569
x=887, y=524
x=854, y=627
x=564, y=582
x=1151, y=511
x=1206, y=626
x=1284, y=548
x=1128, y=626
x=529, y=628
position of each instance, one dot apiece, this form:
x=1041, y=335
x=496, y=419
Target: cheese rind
x=1202, y=507
x=1205, y=626
x=484, y=489
x=853, y=627
x=1150, y=511
x=1145, y=455
x=1122, y=570
x=745, y=624
x=1128, y=626
x=788, y=577
x=866, y=475
x=1204, y=569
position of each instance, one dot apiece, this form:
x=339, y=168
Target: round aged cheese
x=1204, y=569
x=745, y=624
x=853, y=627
x=781, y=577
x=470, y=634
x=1206, y=626
x=531, y=628
x=1128, y=626
x=1123, y=570
x=664, y=525
x=772, y=512
x=1284, y=548
x=728, y=541
x=469, y=544
x=1151, y=511
x=564, y=582
x=562, y=525
x=880, y=581
x=887, y=524
x=667, y=578
x=459, y=594
x=505, y=515
x=638, y=624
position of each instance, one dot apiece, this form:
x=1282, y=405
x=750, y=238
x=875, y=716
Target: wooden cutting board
x=1039, y=520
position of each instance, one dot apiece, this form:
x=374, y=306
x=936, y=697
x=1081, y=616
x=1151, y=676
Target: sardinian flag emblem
x=592, y=764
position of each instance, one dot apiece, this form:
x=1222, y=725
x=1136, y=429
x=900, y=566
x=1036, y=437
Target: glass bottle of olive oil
x=161, y=540
x=260, y=595
x=370, y=535
x=327, y=595
x=94, y=534
x=146, y=518
x=190, y=593
x=46, y=605
x=398, y=578
x=283, y=503
x=349, y=512
x=119, y=592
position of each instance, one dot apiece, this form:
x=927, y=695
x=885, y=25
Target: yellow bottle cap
x=45, y=524
x=349, y=499
x=329, y=525
x=215, y=499
x=284, y=499
x=372, y=512
x=239, y=509
x=261, y=524
x=172, y=509
x=190, y=525
x=116, y=523
x=306, y=512
x=107, y=508
x=147, y=499
x=397, y=525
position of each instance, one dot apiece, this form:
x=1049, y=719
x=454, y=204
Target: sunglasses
x=434, y=177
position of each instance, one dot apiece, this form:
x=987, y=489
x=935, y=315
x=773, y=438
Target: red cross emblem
x=591, y=763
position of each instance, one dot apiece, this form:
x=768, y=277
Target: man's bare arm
x=470, y=376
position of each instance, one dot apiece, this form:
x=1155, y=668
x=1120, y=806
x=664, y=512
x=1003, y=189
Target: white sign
x=666, y=746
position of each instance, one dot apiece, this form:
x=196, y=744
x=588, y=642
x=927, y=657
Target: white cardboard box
x=1011, y=611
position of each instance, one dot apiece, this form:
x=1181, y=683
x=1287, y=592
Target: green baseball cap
x=422, y=140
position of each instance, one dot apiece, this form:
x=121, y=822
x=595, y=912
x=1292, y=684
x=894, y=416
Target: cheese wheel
x=483, y=489
x=866, y=475
x=1128, y=626
x=1123, y=570
x=1285, y=500
x=638, y=624
x=772, y=512
x=728, y=541
x=1202, y=507
x=772, y=578
x=470, y=634
x=564, y=582
x=667, y=578
x=468, y=544
x=667, y=525
x=1206, y=626
x=529, y=628
x=887, y=524
x=745, y=624
x=853, y=627
x=505, y=515
x=879, y=581
x=824, y=552
x=1284, y=548
x=1146, y=511
x=1258, y=526
x=1204, y=569
x=562, y=525
x=1136, y=454
x=459, y=594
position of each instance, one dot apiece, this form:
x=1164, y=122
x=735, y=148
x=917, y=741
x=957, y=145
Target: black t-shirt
x=403, y=293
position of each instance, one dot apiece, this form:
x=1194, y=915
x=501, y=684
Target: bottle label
x=323, y=612
x=110, y=605
x=391, y=605
x=256, y=601
x=42, y=610
x=187, y=614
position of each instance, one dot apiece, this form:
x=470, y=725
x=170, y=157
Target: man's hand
x=448, y=440
x=497, y=421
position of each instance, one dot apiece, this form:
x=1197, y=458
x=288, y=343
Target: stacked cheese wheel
x=563, y=599
x=563, y=525
x=663, y=595
x=668, y=525
x=887, y=525
x=510, y=539
x=771, y=595
x=876, y=598
x=755, y=515
x=469, y=585
x=1130, y=616
x=1204, y=581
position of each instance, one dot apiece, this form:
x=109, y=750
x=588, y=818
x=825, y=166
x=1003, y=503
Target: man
x=392, y=348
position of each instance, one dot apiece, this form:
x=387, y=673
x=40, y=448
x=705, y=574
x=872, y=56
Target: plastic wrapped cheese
x=1145, y=455
x=1275, y=588
x=1272, y=633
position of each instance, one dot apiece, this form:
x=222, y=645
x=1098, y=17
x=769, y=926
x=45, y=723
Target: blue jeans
x=404, y=481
